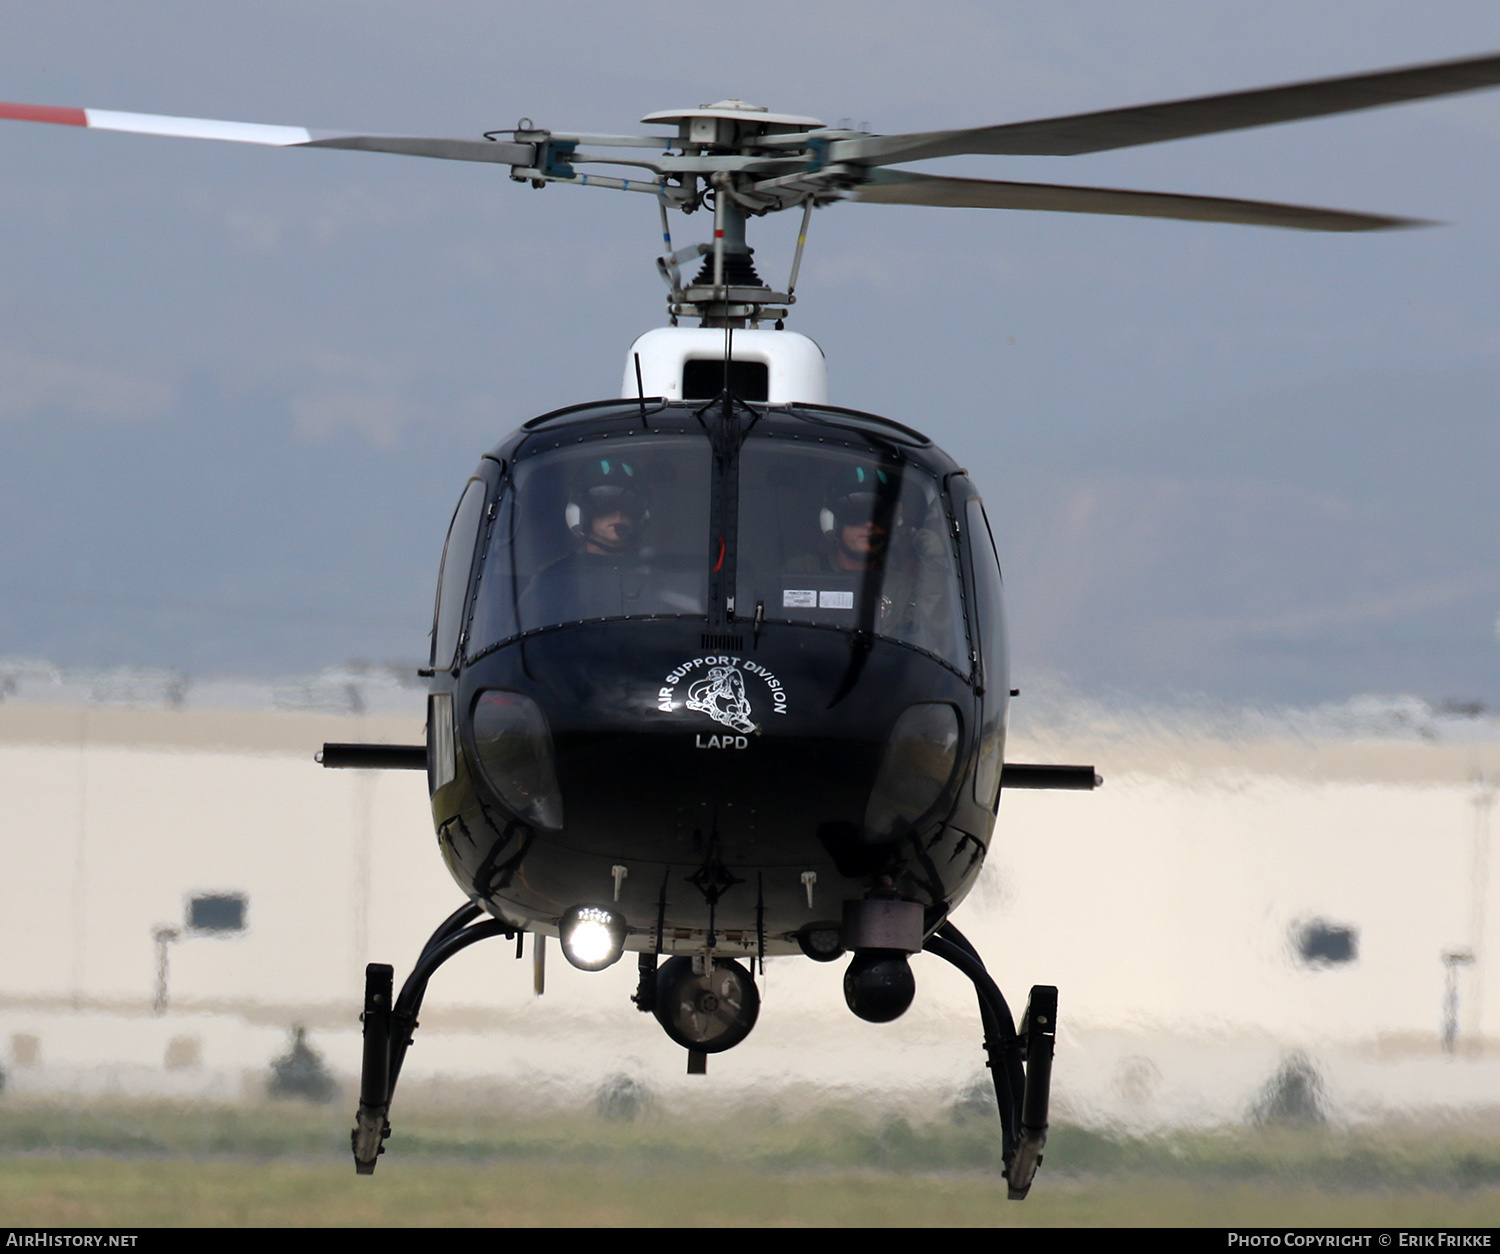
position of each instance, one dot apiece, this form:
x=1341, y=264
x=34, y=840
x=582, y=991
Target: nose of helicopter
x=714, y=777
x=668, y=751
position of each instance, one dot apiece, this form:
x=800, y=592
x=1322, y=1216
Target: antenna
x=640, y=389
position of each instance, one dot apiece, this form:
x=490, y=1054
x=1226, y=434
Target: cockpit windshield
x=848, y=538
x=828, y=533
x=603, y=529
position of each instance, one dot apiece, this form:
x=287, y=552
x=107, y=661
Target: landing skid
x=388, y=1028
x=1020, y=1062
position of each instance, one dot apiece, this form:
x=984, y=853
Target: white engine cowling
x=795, y=368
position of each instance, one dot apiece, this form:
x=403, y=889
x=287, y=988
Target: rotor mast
x=727, y=291
x=727, y=145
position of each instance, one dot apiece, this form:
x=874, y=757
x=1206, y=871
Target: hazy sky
x=240, y=388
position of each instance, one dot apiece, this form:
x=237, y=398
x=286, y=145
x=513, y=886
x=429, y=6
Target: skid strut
x=388, y=1028
x=1020, y=1063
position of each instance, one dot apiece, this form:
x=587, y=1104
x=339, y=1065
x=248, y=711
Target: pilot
x=863, y=531
x=606, y=509
x=856, y=536
x=606, y=512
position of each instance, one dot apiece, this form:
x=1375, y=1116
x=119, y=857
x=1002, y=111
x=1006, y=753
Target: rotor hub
x=730, y=124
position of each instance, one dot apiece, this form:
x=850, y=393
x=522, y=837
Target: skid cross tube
x=460, y=918
x=388, y=1028
x=1001, y=1044
x=1020, y=1063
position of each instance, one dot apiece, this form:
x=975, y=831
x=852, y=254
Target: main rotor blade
x=901, y=187
x=1178, y=119
x=278, y=136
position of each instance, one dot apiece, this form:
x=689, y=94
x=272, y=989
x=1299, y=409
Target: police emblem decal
x=720, y=687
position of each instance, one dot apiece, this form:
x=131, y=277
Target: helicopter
x=718, y=669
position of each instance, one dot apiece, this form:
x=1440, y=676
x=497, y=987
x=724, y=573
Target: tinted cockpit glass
x=845, y=538
x=604, y=529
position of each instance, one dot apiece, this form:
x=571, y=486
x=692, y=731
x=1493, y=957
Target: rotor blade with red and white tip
x=901, y=187
x=277, y=136
x=1179, y=119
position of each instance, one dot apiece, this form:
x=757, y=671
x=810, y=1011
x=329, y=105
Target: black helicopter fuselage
x=718, y=730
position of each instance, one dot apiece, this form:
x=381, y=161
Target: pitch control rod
x=1020, y=1064
x=388, y=1028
